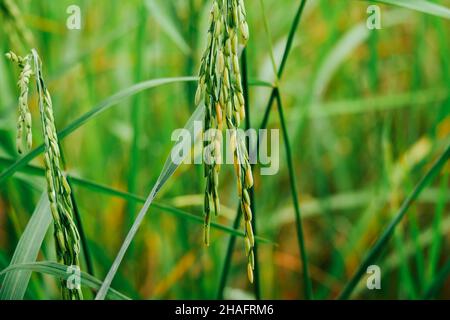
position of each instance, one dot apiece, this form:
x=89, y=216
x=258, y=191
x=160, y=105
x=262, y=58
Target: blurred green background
x=367, y=113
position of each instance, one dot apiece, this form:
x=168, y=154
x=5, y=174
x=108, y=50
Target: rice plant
x=360, y=117
x=220, y=90
x=67, y=239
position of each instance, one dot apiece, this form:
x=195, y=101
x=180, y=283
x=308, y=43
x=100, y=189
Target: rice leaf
x=15, y=283
x=94, y=112
x=384, y=238
x=421, y=6
x=60, y=271
x=167, y=171
x=154, y=7
x=103, y=189
x=344, y=48
x=438, y=282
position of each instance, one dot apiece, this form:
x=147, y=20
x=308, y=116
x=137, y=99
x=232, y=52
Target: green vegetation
x=364, y=119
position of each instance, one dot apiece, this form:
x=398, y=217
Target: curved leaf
x=167, y=171
x=384, y=238
x=60, y=271
x=101, y=107
x=15, y=283
x=421, y=6
x=167, y=25
x=103, y=189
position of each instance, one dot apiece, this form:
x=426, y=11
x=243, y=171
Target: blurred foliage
x=367, y=112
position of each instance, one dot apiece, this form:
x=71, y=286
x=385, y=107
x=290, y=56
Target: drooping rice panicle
x=24, y=119
x=220, y=89
x=67, y=239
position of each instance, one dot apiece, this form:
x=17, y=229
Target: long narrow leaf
x=60, y=271
x=438, y=282
x=167, y=171
x=96, y=187
x=421, y=6
x=15, y=283
x=167, y=25
x=94, y=112
x=387, y=234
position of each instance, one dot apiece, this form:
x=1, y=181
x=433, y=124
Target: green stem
x=248, y=125
x=438, y=282
x=237, y=220
x=78, y=220
x=84, y=242
x=287, y=50
x=298, y=220
x=136, y=118
x=228, y=255
x=376, y=250
x=93, y=186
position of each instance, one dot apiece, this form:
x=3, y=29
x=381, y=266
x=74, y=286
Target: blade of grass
x=248, y=125
x=421, y=6
x=228, y=255
x=60, y=271
x=287, y=50
x=301, y=241
x=414, y=231
x=232, y=240
x=97, y=110
x=259, y=83
x=391, y=264
x=169, y=27
x=15, y=283
x=377, y=248
x=135, y=115
x=406, y=283
x=84, y=242
x=78, y=221
x=438, y=281
x=269, y=41
x=435, y=250
x=133, y=197
x=167, y=171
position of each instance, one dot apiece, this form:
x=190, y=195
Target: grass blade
x=97, y=110
x=167, y=171
x=421, y=6
x=93, y=186
x=167, y=25
x=436, y=247
x=387, y=234
x=248, y=125
x=228, y=256
x=298, y=219
x=287, y=50
x=232, y=240
x=438, y=282
x=15, y=283
x=60, y=271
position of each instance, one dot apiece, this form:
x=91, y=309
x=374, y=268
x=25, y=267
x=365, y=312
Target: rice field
x=355, y=95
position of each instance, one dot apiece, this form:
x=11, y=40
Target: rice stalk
x=220, y=90
x=67, y=239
